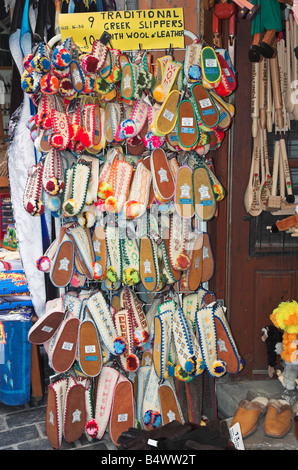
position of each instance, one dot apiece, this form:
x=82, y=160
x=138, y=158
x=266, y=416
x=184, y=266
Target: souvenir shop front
x=152, y=173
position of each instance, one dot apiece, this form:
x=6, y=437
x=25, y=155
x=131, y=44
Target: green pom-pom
x=131, y=276
x=111, y=274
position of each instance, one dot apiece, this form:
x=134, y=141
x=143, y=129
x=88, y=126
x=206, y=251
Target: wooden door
x=255, y=270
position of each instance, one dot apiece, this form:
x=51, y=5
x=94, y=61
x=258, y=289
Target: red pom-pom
x=30, y=208
x=85, y=139
x=92, y=428
x=182, y=262
x=132, y=362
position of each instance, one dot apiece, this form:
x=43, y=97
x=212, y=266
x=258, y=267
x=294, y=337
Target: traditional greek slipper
x=204, y=198
x=90, y=124
x=226, y=112
x=75, y=410
x=173, y=274
x=278, y=419
x=112, y=121
x=163, y=327
x=53, y=173
x=130, y=301
x=226, y=347
x=211, y=70
x=169, y=81
x=99, y=247
x=55, y=412
x=206, y=110
x=183, y=197
x=208, y=259
x=151, y=410
x=166, y=118
x=192, y=68
x=228, y=81
x=189, y=354
x=121, y=183
x=206, y=332
x=93, y=163
x=63, y=345
x=163, y=181
x=77, y=76
x=83, y=249
x=169, y=404
x=114, y=268
x=89, y=349
x=218, y=188
x=122, y=416
x=102, y=316
x=128, y=360
x=130, y=259
x=93, y=62
x=61, y=269
x=133, y=125
x=60, y=137
x=159, y=68
x=32, y=197
x=139, y=194
x=193, y=275
x=149, y=269
x=46, y=325
x=248, y=414
x=79, y=187
x=106, y=386
x=178, y=234
x=187, y=129
x=143, y=376
x=129, y=79
x=152, y=140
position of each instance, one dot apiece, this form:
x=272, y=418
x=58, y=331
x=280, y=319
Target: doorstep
x=230, y=392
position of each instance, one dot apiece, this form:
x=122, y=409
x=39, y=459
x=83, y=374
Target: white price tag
x=90, y=349
x=236, y=436
x=187, y=121
x=205, y=103
x=67, y=346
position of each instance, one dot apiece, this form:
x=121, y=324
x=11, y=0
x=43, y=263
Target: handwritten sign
x=129, y=29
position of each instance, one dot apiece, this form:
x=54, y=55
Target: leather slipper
x=46, y=325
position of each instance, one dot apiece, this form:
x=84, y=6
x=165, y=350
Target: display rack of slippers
x=124, y=168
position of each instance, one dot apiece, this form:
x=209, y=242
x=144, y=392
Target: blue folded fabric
x=15, y=360
x=8, y=302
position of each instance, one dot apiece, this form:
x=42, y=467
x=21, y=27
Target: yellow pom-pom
x=111, y=204
x=131, y=209
x=159, y=94
x=104, y=190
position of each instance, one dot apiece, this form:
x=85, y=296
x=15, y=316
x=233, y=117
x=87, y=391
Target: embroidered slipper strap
x=107, y=170
x=192, y=70
x=102, y=317
x=89, y=121
x=121, y=182
x=188, y=351
x=151, y=412
x=190, y=306
x=179, y=228
x=104, y=398
x=163, y=330
x=206, y=332
x=130, y=259
x=114, y=252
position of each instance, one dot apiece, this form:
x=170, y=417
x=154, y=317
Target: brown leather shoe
x=248, y=413
x=278, y=419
